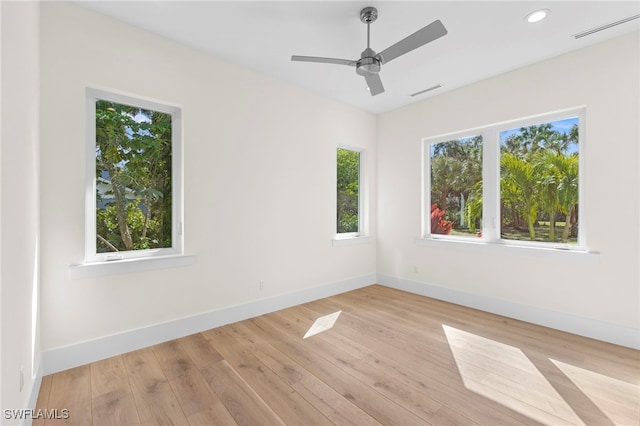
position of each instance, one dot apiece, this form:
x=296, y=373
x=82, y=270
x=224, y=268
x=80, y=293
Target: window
x=522, y=176
x=456, y=186
x=133, y=206
x=349, y=221
x=539, y=182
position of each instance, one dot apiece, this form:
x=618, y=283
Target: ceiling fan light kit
x=370, y=62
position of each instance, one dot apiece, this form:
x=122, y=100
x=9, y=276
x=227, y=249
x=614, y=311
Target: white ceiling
x=484, y=39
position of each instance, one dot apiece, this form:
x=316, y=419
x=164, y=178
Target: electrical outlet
x=21, y=378
x=261, y=285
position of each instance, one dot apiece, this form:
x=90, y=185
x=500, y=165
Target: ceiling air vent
x=604, y=27
x=437, y=86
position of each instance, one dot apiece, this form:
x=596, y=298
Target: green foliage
x=107, y=227
x=539, y=179
x=133, y=162
x=348, y=189
x=474, y=207
x=518, y=184
x=456, y=176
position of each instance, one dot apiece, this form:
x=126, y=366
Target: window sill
x=340, y=241
x=127, y=266
x=576, y=254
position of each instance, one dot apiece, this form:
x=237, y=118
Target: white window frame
x=491, y=181
x=177, y=237
x=426, y=182
x=362, y=196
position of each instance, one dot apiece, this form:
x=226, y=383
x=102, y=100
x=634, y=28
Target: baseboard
x=63, y=358
x=599, y=330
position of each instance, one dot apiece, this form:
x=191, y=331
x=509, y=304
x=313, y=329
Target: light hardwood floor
x=392, y=358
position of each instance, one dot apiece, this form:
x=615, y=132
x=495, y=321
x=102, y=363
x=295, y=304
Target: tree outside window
x=539, y=182
x=133, y=172
x=456, y=186
x=348, y=191
x=523, y=177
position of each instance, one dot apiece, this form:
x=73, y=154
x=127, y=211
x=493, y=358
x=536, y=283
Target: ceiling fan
x=370, y=62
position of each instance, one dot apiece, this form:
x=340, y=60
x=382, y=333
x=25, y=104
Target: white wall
x=259, y=165
x=19, y=217
x=602, y=289
x=259, y=178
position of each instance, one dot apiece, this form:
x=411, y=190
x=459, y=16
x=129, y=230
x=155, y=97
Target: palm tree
x=446, y=179
x=548, y=181
x=533, y=138
x=567, y=166
x=518, y=180
x=474, y=206
x=456, y=167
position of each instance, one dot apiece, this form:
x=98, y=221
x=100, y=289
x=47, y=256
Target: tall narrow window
x=348, y=192
x=456, y=187
x=134, y=207
x=539, y=182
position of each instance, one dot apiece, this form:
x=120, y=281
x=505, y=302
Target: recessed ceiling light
x=537, y=16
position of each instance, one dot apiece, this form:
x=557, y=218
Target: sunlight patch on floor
x=618, y=400
x=504, y=374
x=322, y=324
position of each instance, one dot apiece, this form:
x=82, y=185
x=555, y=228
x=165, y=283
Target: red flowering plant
x=438, y=224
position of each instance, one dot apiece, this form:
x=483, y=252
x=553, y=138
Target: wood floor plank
x=446, y=416
x=216, y=415
x=188, y=385
x=259, y=345
x=616, y=359
x=368, y=399
x=242, y=402
x=172, y=359
x=391, y=358
x=287, y=404
x=506, y=333
x=532, y=346
x=108, y=375
x=395, y=341
x=508, y=361
x=115, y=408
x=71, y=390
x=112, y=398
x=335, y=407
x=347, y=354
x=193, y=393
x=406, y=358
x=380, y=356
x=595, y=398
x=154, y=398
x=199, y=350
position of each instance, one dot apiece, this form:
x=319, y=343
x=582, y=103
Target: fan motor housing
x=369, y=63
x=368, y=66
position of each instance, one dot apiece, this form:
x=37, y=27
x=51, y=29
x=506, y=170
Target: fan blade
x=421, y=37
x=374, y=83
x=323, y=60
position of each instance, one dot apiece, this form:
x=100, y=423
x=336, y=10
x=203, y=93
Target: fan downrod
x=369, y=64
x=369, y=15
